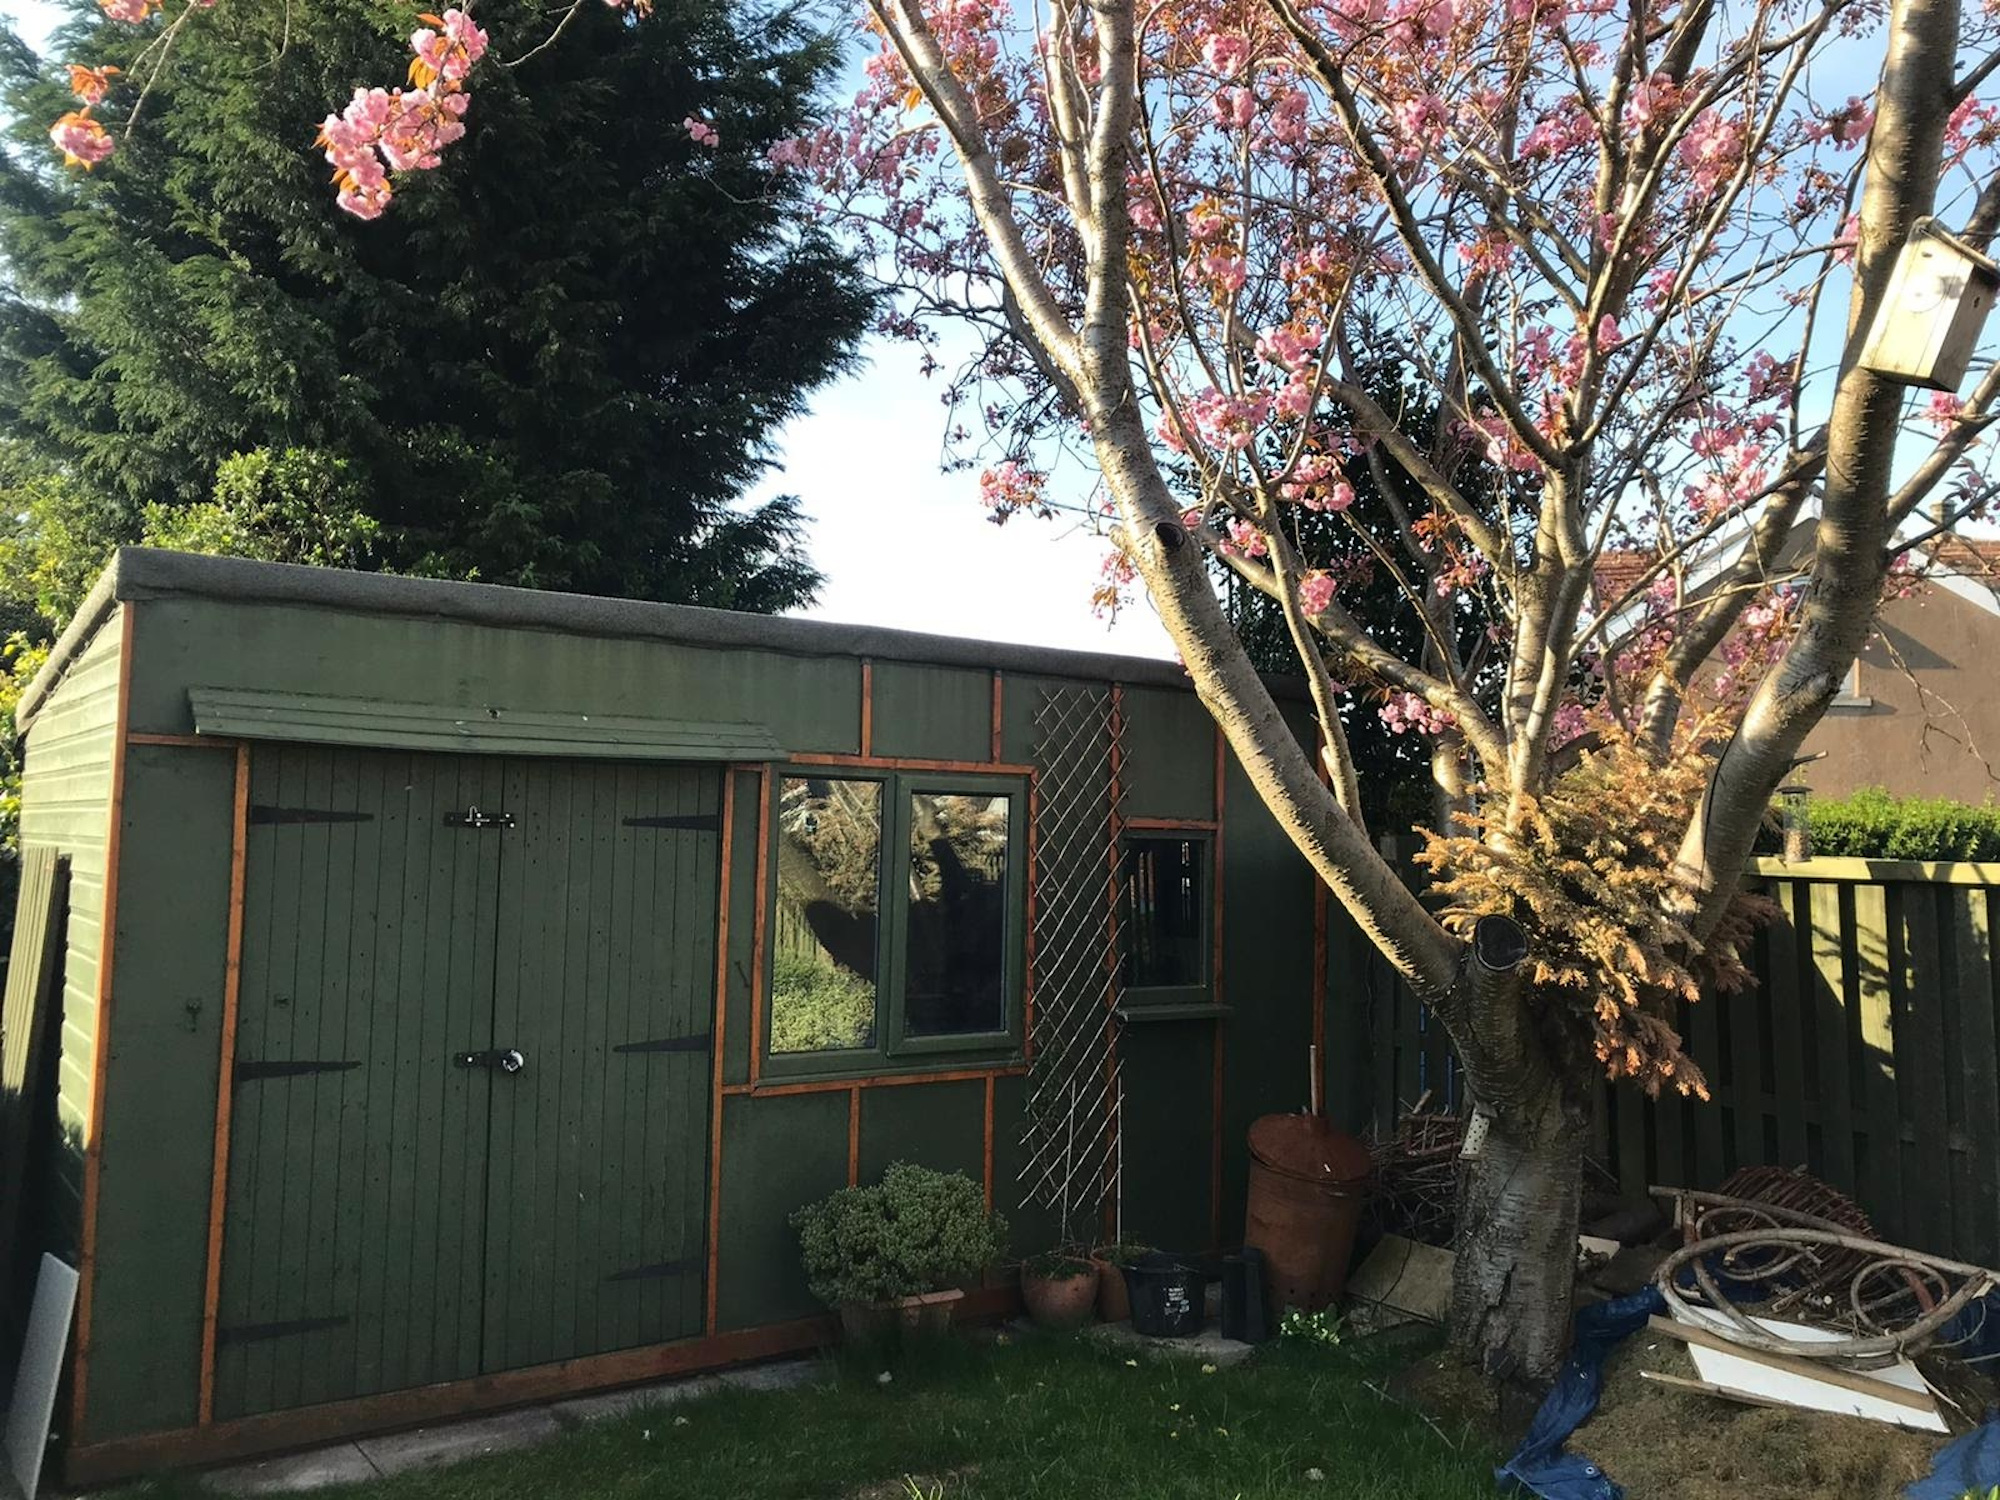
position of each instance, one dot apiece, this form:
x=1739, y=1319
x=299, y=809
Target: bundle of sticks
x=1416, y=1174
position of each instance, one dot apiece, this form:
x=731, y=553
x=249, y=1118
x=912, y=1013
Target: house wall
x=1928, y=721
x=1190, y=1085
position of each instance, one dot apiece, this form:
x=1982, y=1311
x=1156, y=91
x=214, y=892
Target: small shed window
x=874, y=956
x=1166, y=917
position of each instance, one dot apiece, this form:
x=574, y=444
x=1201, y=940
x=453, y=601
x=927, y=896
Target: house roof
x=138, y=573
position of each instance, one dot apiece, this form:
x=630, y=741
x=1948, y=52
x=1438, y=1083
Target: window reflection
x=823, y=946
x=1164, y=919
x=956, y=941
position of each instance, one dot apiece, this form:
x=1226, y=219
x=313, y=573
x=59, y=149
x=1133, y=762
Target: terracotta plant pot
x=1060, y=1302
x=1114, y=1303
x=926, y=1315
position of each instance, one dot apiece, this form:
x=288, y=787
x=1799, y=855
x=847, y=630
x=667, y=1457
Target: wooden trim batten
x=906, y=763
x=232, y=989
x=760, y=923
x=769, y=1090
x=999, y=716
x=867, y=708
x=100, y=1061
x=1215, y=979
x=854, y=1135
x=988, y=1158
x=184, y=741
x=718, y=1033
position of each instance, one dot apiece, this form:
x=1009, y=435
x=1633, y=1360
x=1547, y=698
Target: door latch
x=509, y=1061
x=476, y=817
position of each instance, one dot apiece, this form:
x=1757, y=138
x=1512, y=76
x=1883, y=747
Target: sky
x=902, y=544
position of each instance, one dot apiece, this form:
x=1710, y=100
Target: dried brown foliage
x=1589, y=873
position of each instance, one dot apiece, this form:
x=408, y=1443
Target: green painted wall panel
x=1267, y=961
x=810, y=703
x=936, y=1125
x=1166, y=1128
x=932, y=713
x=1028, y=1228
x=160, y=1089
x=777, y=1154
x=1020, y=701
x=1169, y=759
x=66, y=805
x=736, y=1038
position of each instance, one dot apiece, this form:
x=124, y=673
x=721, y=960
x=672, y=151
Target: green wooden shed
x=463, y=984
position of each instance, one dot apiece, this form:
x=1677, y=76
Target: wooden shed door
x=397, y=1216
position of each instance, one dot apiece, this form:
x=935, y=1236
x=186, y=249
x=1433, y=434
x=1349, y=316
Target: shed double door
x=405, y=1206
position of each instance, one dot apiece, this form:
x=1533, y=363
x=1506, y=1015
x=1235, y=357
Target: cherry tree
x=1561, y=279
x=1607, y=241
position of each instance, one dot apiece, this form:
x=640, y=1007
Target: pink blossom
x=1233, y=108
x=1315, y=592
x=1943, y=409
x=90, y=85
x=1229, y=271
x=82, y=141
x=1010, y=486
x=131, y=12
x=701, y=132
x=1226, y=54
x=1246, y=539
x=1406, y=713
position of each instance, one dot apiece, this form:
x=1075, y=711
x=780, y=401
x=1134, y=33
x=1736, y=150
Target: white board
x=35, y=1382
x=1735, y=1372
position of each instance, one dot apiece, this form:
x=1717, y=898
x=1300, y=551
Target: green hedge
x=1871, y=824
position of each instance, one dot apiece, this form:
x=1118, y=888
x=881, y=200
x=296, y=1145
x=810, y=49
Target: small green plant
x=914, y=1491
x=1322, y=1327
x=1057, y=1265
x=1992, y=1494
x=915, y=1231
x=1871, y=824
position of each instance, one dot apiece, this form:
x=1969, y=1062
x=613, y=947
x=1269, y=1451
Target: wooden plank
x=1744, y=1018
x=1786, y=986
x=34, y=969
x=1810, y=1369
x=1829, y=1012
x=1921, y=995
x=1706, y=1388
x=1975, y=1187
x=1881, y=1168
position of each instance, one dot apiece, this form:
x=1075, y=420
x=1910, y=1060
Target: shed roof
x=139, y=573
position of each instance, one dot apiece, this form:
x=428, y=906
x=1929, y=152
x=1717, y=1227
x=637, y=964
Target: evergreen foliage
x=915, y=1231
x=1871, y=824
x=557, y=363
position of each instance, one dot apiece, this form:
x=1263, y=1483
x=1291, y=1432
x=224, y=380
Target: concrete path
x=372, y=1458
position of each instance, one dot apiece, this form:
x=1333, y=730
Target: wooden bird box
x=1930, y=318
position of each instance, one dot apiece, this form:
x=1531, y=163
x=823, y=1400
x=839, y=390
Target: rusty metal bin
x=1308, y=1183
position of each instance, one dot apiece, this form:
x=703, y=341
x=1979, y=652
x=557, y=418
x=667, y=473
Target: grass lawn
x=1036, y=1418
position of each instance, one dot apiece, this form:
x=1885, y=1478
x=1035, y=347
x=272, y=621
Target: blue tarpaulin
x=1968, y=1466
x=1539, y=1465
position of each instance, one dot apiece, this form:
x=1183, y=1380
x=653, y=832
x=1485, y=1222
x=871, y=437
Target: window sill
x=1206, y=1010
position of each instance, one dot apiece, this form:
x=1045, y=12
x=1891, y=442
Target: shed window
x=825, y=939
x=876, y=957
x=955, y=942
x=1165, y=921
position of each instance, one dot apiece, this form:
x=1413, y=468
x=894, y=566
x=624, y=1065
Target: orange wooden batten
x=718, y=1032
x=1171, y=825
x=873, y=1081
x=225, y=1093
x=989, y=1143
x=905, y=763
x=93, y=1146
x=1116, y=729
x=867, y=708
x=999, y=721
x=759, y=923
x=853, y=1135
x=1221, y=1032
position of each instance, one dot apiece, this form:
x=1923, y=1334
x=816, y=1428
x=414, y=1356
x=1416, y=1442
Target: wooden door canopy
x=320, y=719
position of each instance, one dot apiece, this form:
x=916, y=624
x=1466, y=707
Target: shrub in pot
x=1059, y=1288
x=891, y=1257
x=1114, y=1303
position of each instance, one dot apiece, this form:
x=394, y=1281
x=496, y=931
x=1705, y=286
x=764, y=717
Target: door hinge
x=263, y=814
x=697, y=1043
x=250, y=1072
x=507, y=1060
x=473, y=817
x=250, y=1332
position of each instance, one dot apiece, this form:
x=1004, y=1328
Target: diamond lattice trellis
x=1070, y=1130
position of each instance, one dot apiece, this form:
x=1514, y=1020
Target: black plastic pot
x=1167, y=1296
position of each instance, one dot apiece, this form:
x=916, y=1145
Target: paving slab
x=432, y=1447
x=637, y=1398
x=781, y=1375
x=294, y=1473
x=1208, y=1346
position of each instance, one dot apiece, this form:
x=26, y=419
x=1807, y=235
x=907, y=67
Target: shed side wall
x=66, y=805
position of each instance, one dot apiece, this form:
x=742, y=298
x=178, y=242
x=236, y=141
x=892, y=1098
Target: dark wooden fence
x=1866, y=1053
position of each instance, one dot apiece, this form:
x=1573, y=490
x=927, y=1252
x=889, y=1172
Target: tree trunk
x=1516, y=1266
